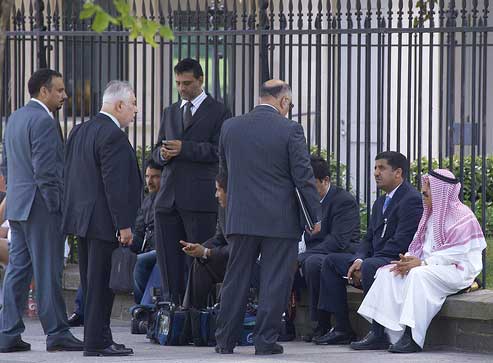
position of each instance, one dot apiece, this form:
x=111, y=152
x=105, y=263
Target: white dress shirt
x=44, y=106
x=196, y=102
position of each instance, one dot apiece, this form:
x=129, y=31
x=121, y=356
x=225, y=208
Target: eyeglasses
x=291, y=106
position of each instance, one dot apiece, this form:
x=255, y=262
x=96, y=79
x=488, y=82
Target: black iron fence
x=412, y=76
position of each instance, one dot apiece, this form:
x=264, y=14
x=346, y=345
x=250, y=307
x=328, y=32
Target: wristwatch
x=204, y=256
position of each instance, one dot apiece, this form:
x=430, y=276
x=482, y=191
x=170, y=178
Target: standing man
x=265, y=157
x=33, y=166
x=187, y=147
x=394, y=219
x=102, y=196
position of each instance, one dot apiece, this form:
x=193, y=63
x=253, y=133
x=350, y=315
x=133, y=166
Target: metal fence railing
x=413, y=76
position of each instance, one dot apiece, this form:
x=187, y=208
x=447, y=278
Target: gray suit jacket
x=32, y=161
x=265, y=156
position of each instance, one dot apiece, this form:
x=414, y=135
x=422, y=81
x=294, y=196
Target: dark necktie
x=187, y=115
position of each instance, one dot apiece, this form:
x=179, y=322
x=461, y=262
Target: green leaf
x=101, y=21
x=88, y=11
x=166, y=32
x=122, y=6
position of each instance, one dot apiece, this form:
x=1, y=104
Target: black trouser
x=171, y=226
x=95, y=270
x=276, y=279
x=332, y=294
x=203, y=276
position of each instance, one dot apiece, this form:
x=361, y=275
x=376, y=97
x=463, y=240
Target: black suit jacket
x=102, y=180
x=187, y=180
x=218, y=244
x=144, y=226
x=340, y=224
x=401, y=219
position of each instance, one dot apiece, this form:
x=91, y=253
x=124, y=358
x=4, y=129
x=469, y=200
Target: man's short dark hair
x=395, y=160
x=150, y=163
x=189, y=65
x=320, y=167
x=41, y=78
x=222, y=180
x=274, y=91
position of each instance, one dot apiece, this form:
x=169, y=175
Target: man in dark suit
x=101, y=203
x=339, y=233
x=394, y=220
x=33, y=167
x=211, y=257
x=187, y=147
x=265, y=157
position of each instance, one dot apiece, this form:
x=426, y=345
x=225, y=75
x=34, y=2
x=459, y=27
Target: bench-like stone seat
x=465, y=321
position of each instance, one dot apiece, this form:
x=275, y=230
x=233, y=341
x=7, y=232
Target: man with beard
x=443, y=258
x=33, y=166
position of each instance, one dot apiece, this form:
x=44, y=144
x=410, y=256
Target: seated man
x=339, y=233
x=143, y=235
x=444, y=258
x=211, y=257
x=393, y=222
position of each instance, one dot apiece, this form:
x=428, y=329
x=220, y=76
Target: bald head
x=276, y=93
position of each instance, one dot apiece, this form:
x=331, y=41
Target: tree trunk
x=5, y=8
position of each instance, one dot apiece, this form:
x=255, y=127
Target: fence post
x=39, y=27
x=264, y=43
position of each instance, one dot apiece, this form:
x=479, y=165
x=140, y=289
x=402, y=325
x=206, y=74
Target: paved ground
x=294, y=352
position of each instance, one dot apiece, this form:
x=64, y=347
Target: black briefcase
x=122, y=270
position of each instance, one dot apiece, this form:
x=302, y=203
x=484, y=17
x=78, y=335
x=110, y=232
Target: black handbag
x=122, y=270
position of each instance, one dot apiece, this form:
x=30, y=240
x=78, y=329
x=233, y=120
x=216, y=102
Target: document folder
x=304, y=210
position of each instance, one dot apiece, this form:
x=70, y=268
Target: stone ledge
x=477, y=305
x=465, y=321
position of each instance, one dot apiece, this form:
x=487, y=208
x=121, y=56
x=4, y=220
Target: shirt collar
x=322, y=200
x=391, y=194
x=266, y=104
x=196, y=101
x=44, y=106
x=113, y=118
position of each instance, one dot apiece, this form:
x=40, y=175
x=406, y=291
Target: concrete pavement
x=294, y=352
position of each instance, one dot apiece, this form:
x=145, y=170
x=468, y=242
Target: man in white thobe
x=443, y=258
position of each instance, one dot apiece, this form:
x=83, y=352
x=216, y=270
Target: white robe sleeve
x=469, y=261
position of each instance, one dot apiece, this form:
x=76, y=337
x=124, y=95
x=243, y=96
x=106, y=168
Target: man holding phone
x=185, y=208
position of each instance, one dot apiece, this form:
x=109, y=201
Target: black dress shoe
x=122, y=348
x=75, y=320
x=405, y=345
x=334, y=337
x=69, y=343
x=110, y=351
x=20, y=346
x=221, y=350
x=371, y=342
x=275, y=349
x=317, y=333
